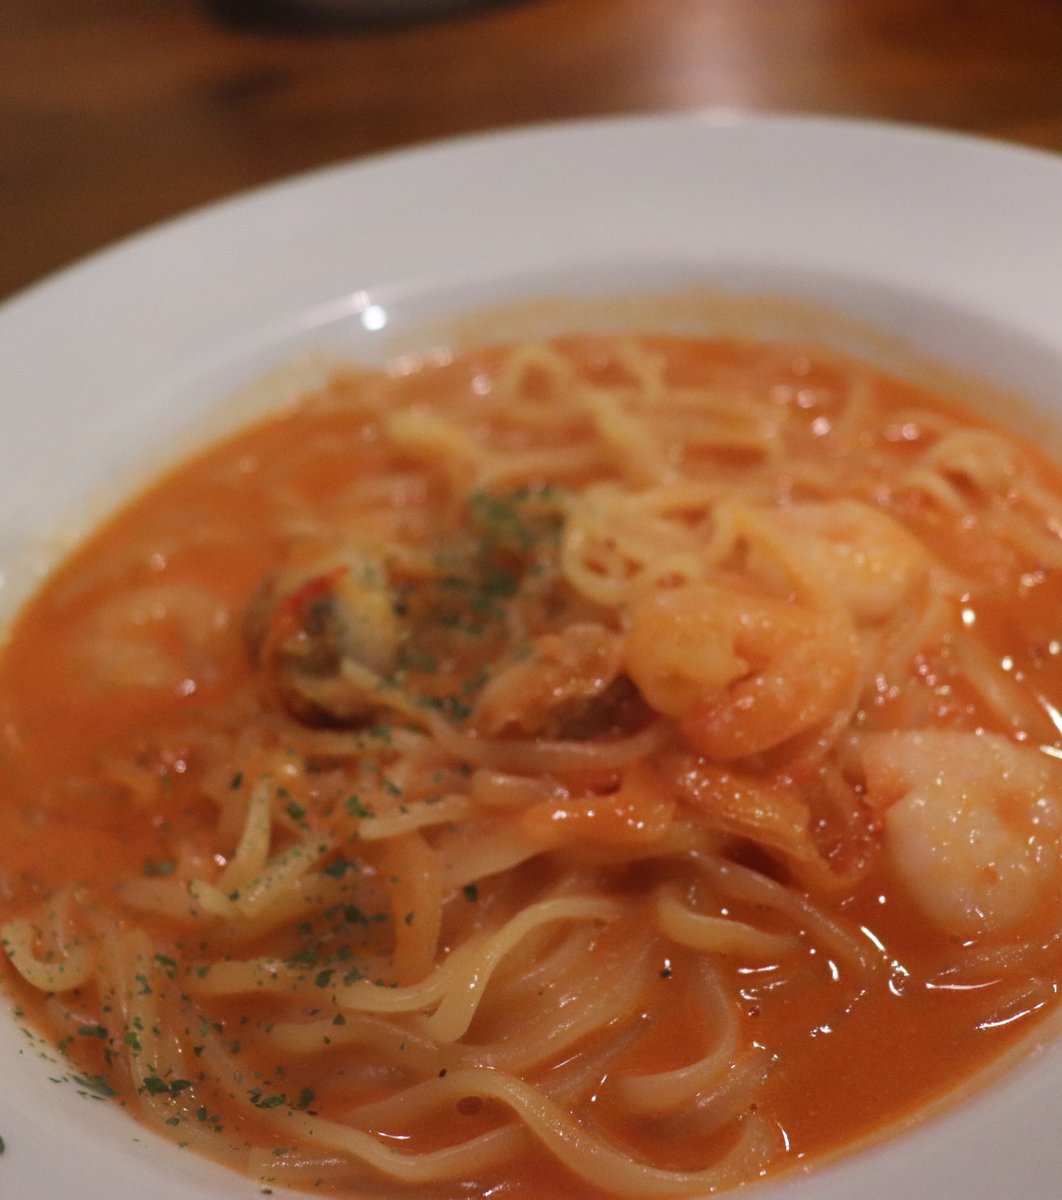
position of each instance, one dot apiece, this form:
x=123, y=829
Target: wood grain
x=115, y=114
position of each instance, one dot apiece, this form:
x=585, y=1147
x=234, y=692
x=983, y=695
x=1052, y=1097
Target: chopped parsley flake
x=96, y=1084
x=355, y=807
x=169, y=965
x=337, y=869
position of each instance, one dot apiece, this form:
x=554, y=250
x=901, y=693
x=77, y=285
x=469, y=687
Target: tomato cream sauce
x=131, y=663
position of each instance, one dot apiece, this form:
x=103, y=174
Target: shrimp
x=873, y=563
x=151, y=637
x=972, y=825
x=740, y=672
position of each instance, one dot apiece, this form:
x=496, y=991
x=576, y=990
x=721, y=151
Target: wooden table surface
x=115, y=114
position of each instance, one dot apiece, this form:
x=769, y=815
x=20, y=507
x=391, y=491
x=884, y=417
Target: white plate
x=953, y=244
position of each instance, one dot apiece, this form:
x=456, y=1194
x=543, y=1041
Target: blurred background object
x=319, y=14
x=115, y=114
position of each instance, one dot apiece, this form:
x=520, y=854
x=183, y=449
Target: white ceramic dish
x=952, y=244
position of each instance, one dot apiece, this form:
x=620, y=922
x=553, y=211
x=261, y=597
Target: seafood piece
x=973, y=824
x=567, y=675
x=741, y=672
x=323, y=636
x=872, y=562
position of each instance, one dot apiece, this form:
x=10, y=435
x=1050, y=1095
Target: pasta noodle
x=548, y=770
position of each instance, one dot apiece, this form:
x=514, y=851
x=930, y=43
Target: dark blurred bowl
x=336, y=12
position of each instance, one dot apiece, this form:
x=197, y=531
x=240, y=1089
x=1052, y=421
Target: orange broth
x=845, y=1072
